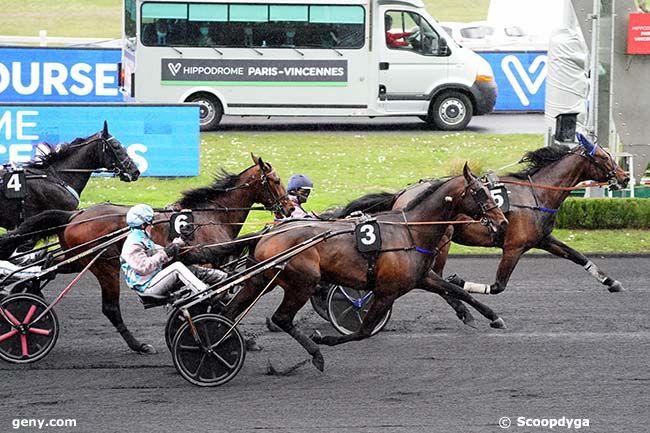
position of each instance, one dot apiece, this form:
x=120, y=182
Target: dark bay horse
x=535, y=194
x=402, y=264
x=56, y=180
x=219, y=211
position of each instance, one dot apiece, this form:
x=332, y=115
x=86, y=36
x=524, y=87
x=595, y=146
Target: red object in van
x=638, y=34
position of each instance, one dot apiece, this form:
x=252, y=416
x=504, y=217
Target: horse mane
x=222, y=180
x=369, y=203
x=426, y=193
x=540, y=158
x=57, y=152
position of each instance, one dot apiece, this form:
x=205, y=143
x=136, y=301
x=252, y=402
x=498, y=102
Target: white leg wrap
x=483, y=289
x=593, y=270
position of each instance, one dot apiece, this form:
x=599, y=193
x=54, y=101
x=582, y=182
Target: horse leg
x=107, y=272
x=462, y=312
x=509, y=260
x=433, y=283
x=560, y=249
x=380, y=306
x=294, y=299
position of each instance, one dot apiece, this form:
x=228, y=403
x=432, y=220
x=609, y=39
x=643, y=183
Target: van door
x=412, y=61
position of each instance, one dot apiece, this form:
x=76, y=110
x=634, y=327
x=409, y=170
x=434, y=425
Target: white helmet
x=138, y=215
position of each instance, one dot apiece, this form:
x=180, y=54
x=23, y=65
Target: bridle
x=481, y=199
x=276, y=205
x=609, y=174
x=119, y=166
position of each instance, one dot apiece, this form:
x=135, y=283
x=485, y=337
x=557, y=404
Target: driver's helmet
x=139, y=215
x=300, y=186
x=299, y=181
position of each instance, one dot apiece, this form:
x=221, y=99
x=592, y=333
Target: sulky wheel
x=176, y=319
x=348, y=307
x=319, y=299
x=212, y=360
x=22, y=339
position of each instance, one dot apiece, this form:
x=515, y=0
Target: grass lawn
x=103, y=19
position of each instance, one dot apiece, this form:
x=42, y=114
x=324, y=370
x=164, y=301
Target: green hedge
x=604, y=213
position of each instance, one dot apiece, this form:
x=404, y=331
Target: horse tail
x=34, y=229
x=370, y=203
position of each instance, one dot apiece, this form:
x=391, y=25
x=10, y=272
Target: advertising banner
x=521, y=79
x=254, y=72
x=59, y=75
x=163, y=140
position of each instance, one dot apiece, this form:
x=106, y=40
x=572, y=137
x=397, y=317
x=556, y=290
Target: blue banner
x=521, y=79
x=59, y=75
x=163, y=140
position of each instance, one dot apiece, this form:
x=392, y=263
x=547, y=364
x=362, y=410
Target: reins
x=581, y=185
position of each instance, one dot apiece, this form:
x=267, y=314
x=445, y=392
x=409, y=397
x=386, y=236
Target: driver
x=298, y=190
x=395, y=40
x=142, y=261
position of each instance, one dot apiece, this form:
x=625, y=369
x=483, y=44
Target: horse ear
x=467, y=173
x=256, y=159
x=584, y=142
x=105, y=130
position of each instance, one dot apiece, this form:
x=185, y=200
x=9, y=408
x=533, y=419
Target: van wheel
x=210, y=110
x=451, y=111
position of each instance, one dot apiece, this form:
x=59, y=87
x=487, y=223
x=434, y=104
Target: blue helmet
x=298, y=181
x=138, y=215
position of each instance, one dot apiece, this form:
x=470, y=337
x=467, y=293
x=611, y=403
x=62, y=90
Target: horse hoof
x=455, y=279
x=469, y=321
x=147, y=349
x=318, y=361
x=252, y=346
x=272, y=327
x=498, y=323
x=317, y=337
x=616, y=287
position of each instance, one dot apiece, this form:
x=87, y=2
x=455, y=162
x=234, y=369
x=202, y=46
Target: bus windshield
x=251, y=25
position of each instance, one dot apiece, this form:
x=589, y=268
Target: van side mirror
x=443, y=48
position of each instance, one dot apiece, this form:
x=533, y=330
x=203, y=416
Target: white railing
x=43, y=40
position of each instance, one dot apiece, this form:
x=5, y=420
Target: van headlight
x=484, y=72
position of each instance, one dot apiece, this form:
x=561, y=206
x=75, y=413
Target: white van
x=296, y=58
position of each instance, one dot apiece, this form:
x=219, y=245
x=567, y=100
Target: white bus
x=301, y=58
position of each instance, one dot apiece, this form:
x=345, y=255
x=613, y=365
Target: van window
x=410, y=31
x=253, y=25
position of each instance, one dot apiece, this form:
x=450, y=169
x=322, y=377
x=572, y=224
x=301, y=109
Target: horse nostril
x=504, y=224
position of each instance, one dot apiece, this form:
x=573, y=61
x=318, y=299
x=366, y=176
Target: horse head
x=477, y=202
x=603, y=166
x=272, y=194
x=114, y=156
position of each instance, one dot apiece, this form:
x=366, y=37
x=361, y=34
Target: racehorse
x=219, y=211
x=57, y=178
x=403, y=262
x=535, y=194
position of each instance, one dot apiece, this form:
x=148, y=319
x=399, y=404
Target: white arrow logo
x=174, y=68
x=532, y=86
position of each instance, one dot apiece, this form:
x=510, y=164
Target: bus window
x=252, y=25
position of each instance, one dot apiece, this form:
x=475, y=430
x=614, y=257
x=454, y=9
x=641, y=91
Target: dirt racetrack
x=571, y=350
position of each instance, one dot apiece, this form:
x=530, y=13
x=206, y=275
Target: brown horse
x=219, y=211
x=534, y=194
x=402, y=263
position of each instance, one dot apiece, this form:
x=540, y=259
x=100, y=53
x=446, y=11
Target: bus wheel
x=451, y=111
x=210, y=110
